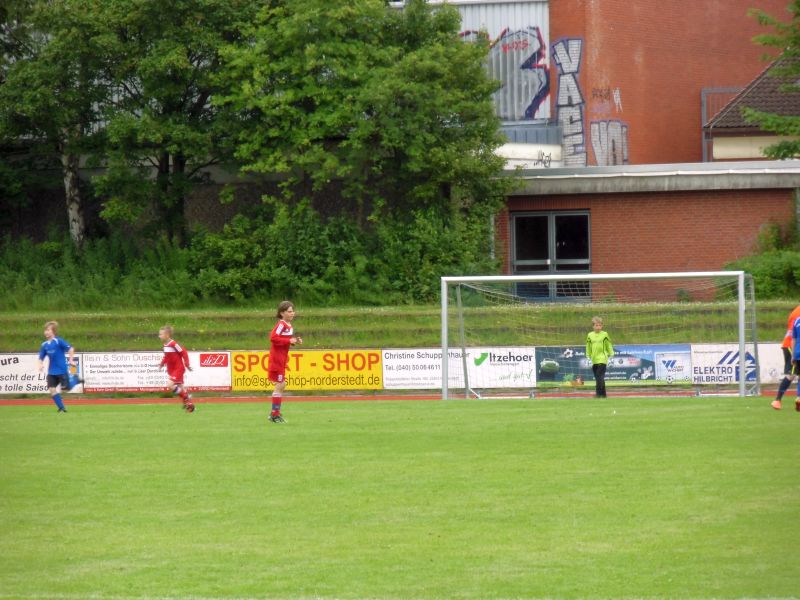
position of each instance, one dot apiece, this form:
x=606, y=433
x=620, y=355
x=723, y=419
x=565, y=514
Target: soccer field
x=561, y=498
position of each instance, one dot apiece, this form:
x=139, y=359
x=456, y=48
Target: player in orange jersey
x=788, y=370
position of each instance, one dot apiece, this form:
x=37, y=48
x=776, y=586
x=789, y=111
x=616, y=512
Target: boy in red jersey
x=280, y=339
x=788, y=371
x=176, y=359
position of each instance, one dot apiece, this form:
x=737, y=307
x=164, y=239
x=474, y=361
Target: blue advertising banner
x=656, y=364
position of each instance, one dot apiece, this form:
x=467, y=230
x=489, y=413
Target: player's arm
x=185, y=358
x=70, y=353
x=609, y=347
x=42, y=354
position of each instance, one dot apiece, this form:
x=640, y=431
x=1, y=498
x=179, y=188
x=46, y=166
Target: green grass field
x=567, y=498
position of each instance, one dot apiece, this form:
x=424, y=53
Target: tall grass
x=238, y=328
x=116, y=271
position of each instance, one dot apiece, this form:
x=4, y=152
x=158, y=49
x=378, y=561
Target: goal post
x=690, y=332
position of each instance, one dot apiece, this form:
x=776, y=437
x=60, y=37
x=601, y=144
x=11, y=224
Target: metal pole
x=463, y=341
x=742, y=347
x=445, y=353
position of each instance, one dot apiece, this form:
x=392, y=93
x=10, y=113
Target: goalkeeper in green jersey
x=599, y=350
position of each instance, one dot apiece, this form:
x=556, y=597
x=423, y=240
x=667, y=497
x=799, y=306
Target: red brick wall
x=663, y=232
x=658, y=56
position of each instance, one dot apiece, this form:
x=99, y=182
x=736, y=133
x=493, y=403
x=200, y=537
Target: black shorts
x=56, y=380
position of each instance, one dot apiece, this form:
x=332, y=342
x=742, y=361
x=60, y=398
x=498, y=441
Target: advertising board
x=321, y=370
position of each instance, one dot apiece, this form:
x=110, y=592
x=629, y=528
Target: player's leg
x=597, y=381
x=179, y=389
x=279, y=379
x=786, y=381
x=53, y=382
x=601, y=379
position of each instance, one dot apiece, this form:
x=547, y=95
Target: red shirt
x=279, y=342
x=175, y=357
x=787, y=340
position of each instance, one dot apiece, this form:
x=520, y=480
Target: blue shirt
x=795, y=336
x=56, y=349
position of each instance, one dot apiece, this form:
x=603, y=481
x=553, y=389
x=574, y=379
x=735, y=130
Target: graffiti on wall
x=518, y=59
x=569, y=100
x=609, y=136
x=609, y=142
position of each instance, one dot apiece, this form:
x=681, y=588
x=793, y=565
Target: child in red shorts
x=176, y=359
x=280, y=339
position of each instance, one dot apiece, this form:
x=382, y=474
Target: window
x=549, y=243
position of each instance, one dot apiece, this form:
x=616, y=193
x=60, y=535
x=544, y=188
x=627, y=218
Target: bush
x=118, y=271
x=290, y=252
x=776, y=273
x=281, y=251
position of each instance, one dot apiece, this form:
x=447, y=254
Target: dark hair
x=283, y=307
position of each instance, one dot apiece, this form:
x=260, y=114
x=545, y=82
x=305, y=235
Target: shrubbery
x=776, y=273
x=286, y=251
x=108, y=272
x=294, y=254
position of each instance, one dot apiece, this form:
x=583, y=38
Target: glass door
x=551, y=243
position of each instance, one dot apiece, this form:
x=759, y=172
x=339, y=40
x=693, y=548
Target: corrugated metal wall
x=519, y=58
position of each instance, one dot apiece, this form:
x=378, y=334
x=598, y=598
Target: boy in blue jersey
x=796, y=358
x=61, y=355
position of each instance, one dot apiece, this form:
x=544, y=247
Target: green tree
x=786, y=38
x=387, y=110
x=15, y=33
x=162, y=128
x=50, y=95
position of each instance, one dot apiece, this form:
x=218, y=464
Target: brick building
x=623, y=90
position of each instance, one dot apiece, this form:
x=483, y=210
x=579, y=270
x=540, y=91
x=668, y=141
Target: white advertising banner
x=719, y=364
x=486, y=368
x=140, y=372
x=770, y=363
x=19, y=374
x=419, y=368
x=502, y=367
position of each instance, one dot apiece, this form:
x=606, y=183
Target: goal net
x=673, y=333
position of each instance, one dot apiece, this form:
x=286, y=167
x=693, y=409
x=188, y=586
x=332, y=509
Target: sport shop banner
x=631, y=364
x=140, y=372
x=19, y=374
x=719, y=364
x=311, y=370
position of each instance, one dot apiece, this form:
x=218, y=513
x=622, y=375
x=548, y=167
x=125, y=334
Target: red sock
x=183, y=393
x=276, y=405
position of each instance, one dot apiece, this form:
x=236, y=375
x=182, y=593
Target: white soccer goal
x=673, y=333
